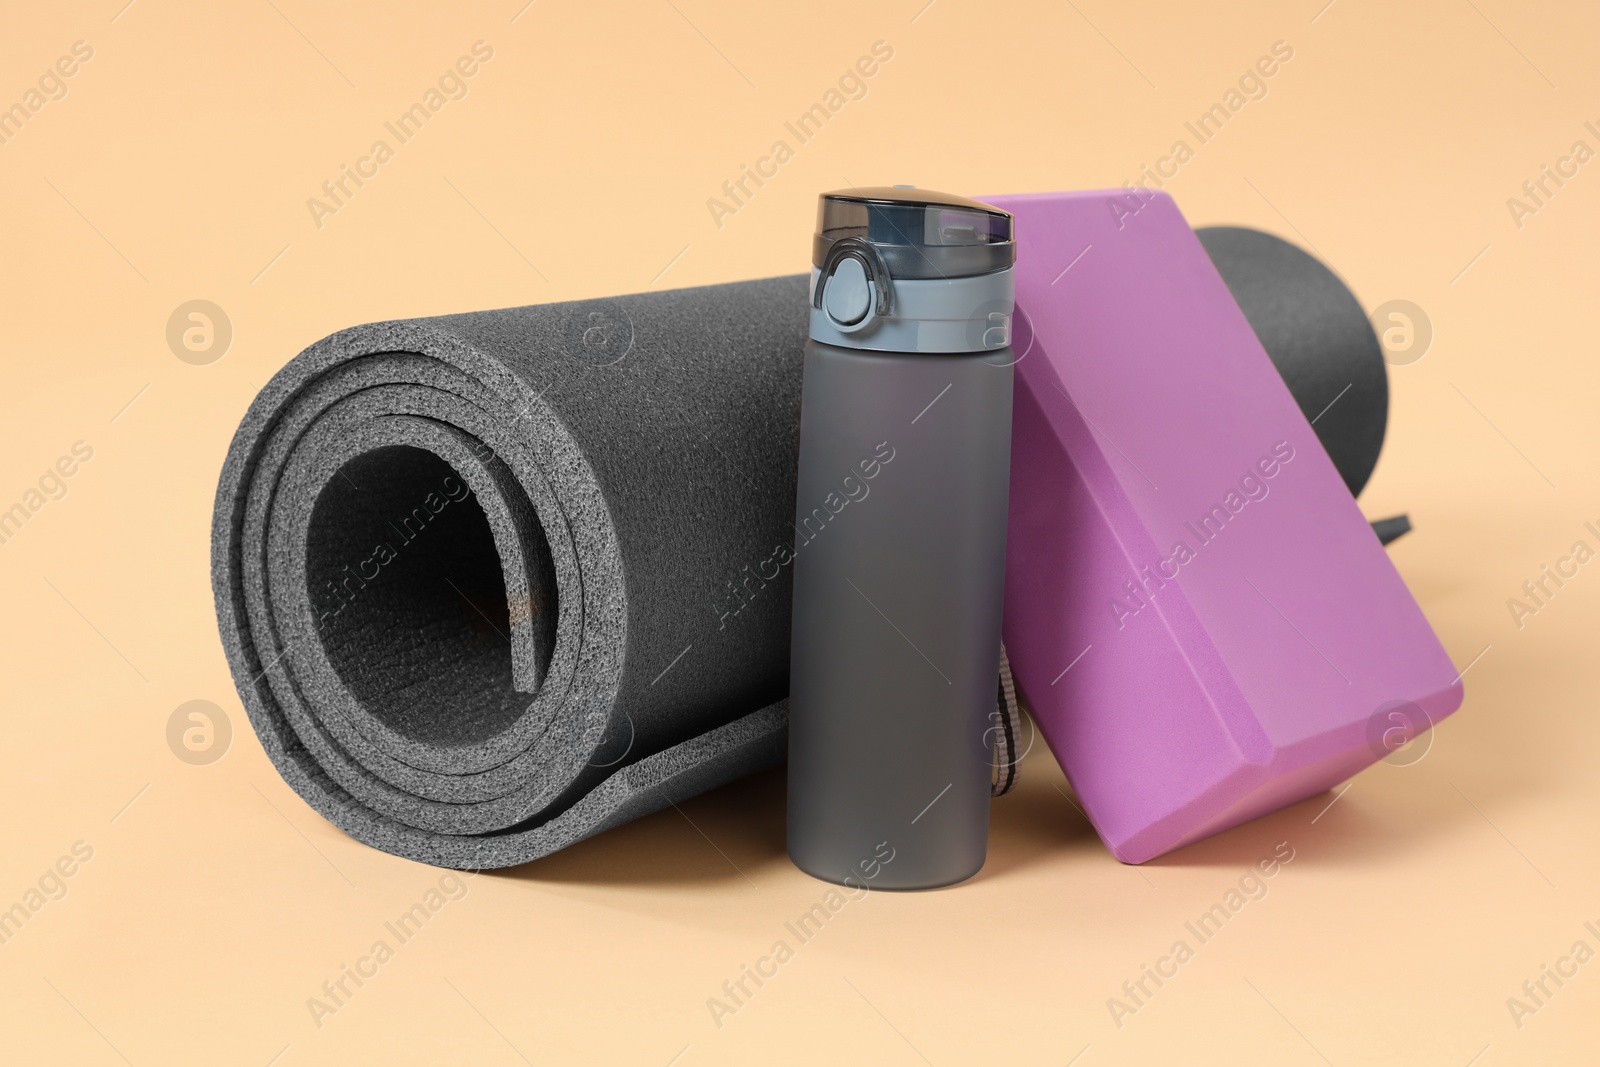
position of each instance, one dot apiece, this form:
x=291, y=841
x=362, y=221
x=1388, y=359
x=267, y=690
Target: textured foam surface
x=1198, y=614
x=492, y=583
x=1318, y=338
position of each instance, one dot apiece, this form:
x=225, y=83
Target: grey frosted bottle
x=900, y=534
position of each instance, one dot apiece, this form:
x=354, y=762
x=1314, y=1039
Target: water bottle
x=900, y=536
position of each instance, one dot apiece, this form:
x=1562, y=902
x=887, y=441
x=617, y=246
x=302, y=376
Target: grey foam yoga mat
x=1318, y=337
x=492, y=583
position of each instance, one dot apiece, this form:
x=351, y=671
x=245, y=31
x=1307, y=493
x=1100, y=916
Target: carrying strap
x=1006, y=732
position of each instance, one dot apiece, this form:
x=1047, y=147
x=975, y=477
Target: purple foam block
x=1202, y=621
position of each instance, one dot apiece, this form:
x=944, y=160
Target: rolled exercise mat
x=1318, y=338
x=1197, y=613
x=492, y=583
x=1322, y=344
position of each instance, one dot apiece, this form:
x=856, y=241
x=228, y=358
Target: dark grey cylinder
x=900, y=536
x=486, y=582
x=1318, y=337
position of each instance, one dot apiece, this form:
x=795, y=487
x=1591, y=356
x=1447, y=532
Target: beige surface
x=178, y=166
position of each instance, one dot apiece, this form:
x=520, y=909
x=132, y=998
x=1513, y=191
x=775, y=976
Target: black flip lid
x=918, y=232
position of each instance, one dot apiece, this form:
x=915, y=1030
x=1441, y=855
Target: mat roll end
x=483, y=580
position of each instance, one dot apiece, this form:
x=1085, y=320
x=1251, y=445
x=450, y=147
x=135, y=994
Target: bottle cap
x=907, y=270
x=917, y=232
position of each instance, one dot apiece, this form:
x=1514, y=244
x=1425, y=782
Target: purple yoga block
x=1199, y=616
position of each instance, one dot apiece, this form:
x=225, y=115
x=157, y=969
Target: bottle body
x=899, y=566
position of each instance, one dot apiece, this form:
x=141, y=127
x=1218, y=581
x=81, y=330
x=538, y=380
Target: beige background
x=216, y=903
